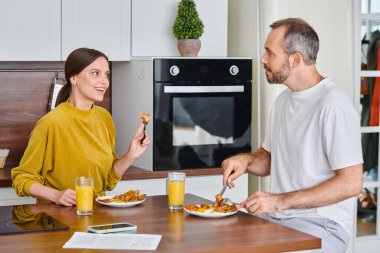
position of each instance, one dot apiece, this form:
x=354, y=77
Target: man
x=312, y=149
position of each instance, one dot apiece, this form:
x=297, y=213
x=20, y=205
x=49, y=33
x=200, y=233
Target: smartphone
x=112, y=228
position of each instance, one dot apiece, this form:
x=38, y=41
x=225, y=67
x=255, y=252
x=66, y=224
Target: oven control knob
x=234, y=70
x=174, y=70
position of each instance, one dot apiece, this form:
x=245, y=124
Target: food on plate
x=130, y=196
x=145, y=117
x=191, y=207
x=218, y=207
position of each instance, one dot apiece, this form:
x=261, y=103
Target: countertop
x=133, y=173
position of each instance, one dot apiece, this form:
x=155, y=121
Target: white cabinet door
x=152, y=27
x=214, y=14
x=30, y=30
x=98, y=24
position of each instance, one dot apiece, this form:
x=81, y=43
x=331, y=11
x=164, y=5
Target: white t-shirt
x=311, y=133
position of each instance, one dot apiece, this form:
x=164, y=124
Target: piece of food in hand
x=145, y=117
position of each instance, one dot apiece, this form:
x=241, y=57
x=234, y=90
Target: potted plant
x=187, y=28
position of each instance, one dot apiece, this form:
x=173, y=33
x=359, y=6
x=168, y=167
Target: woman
x=77, y=138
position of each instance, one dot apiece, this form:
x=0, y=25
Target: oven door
x=198, y=126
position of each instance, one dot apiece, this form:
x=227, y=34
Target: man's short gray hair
x=299, y=37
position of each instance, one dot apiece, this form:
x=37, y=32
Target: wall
x=243, y=40
x=132, y=94
x=333, y=21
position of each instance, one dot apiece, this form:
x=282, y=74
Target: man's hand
x=257, y=163
x=262, y=202
x=232, y=168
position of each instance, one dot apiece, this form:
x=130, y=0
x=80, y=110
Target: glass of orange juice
x=84, y=187
x=176, y=189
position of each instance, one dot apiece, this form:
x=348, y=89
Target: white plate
x=115, y=204
x=210, y=213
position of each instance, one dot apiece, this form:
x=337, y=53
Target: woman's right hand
x=139, y=143
x=65, y=198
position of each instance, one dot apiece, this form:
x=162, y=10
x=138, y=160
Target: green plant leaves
x=187, y=24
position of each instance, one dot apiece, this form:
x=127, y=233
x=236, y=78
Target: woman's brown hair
x=77, y=60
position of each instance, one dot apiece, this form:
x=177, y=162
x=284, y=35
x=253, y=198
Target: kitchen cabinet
x=98, y=24
x=30, y=30
x=152, y=23
x=48, y=30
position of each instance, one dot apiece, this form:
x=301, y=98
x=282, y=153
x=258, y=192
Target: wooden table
x=180, y=232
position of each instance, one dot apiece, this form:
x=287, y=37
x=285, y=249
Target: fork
x=223, y=190
x=145, y=123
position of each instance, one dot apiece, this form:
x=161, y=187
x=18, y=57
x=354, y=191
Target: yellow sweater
x=66, y=143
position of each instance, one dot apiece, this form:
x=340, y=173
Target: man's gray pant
x=334, y=238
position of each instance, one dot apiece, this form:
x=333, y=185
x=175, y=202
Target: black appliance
x=201, y=111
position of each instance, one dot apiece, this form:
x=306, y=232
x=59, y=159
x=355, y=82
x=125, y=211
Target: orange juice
x=176, y=192
x=84, y=198
x=84, y=190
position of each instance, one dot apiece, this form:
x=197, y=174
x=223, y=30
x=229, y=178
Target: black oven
x=201, y=111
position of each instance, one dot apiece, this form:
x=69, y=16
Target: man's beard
x=279, y=76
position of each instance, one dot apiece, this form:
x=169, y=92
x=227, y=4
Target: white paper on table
x=81, y=240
